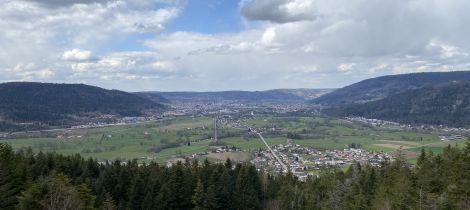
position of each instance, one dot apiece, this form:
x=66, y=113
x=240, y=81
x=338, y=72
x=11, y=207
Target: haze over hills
x=277, y=95
x=57, y=104
x=382, y=87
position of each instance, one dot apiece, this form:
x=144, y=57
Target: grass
x=125, y=142
x=133, y=141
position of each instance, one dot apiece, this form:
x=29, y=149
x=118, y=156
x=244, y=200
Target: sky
x=212, y=45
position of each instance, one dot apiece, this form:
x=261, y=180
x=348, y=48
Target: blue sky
x=201, y=16
x=208, y=16
x=209, y=45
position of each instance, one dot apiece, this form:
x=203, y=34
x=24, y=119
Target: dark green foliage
x=53, y=104
x=27, y=181
x=10, y=184
x=382, y=87
x=446, y=104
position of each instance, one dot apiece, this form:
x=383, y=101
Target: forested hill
x=43, y=102
x=53, y=181
x=153, y=96
x=444, y=104
x=382, y=87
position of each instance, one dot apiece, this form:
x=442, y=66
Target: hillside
x=153, y=96
x=280, y=95
x=446, y=104
x=307, y=94
x=50, y=103
x=382, y=87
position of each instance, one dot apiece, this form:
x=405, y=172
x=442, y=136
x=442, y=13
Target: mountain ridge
x=49, y=103
x=381, y=87
x=442, y=104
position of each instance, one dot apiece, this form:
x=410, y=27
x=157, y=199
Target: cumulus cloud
x=280, y=11
x=286, y=43
x=76, y=55
x=164, y=65
x=345, y=67
x=59, y=3
x=45, y=73
x=360, y=39
x=50, y=34
x=446, y=51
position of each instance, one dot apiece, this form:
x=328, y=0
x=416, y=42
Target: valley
x=192, y=137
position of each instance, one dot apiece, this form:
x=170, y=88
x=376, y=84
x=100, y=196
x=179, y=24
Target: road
x=272, y=152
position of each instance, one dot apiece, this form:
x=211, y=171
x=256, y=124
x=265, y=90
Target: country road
x=272, y=152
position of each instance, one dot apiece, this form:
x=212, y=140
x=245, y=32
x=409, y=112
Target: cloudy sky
x=200, y=45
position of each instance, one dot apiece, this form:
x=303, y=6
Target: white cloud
x=446, y=51
x=81, y=67
x=286, y=43
x=268, y=36
x=60, y=3
x=378, y=68
x=281, y=11
x=345, y=67
x=76, y=55
x=164, y=65
x=45, y=73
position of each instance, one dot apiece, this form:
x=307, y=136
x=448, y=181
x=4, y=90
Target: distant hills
x=279, y=95
x=46, y=103
x=153, y=96
x=382, y=87
x=423, y=98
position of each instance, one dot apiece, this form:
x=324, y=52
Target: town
x=302, y=161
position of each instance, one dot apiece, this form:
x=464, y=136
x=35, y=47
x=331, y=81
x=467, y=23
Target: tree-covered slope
x=382, y=87
x=447, y=104
x=49, y=181
x=40, y=102
x=153, y=96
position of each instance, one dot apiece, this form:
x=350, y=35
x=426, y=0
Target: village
x=302, y=161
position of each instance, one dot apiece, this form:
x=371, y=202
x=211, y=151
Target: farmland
x=188, y=135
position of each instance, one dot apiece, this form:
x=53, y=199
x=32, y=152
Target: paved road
x=272, y=152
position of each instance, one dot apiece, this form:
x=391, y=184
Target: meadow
x=193, y=135
x=127, y=141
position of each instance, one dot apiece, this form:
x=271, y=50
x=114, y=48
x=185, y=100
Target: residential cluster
x=302, y=161
x=204, y=108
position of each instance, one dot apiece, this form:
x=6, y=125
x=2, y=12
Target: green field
x=134, y=141
x=125, y=142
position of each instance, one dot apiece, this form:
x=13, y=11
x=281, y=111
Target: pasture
x=187, y=135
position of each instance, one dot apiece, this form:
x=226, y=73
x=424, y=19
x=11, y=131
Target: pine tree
x=9, y=183
x=199, y=197
x=86, y=197
x=108, y=203
x=247, y=188
x=138, y=193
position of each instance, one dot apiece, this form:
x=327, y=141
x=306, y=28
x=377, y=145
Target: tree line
x=54, y=181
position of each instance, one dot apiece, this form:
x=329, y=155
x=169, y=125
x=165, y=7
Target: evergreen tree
x=199, y=198
x=9, y=186
x=108, y=203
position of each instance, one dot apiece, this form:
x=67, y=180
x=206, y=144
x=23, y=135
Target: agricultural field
x=182, y=136
x=125, y=142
